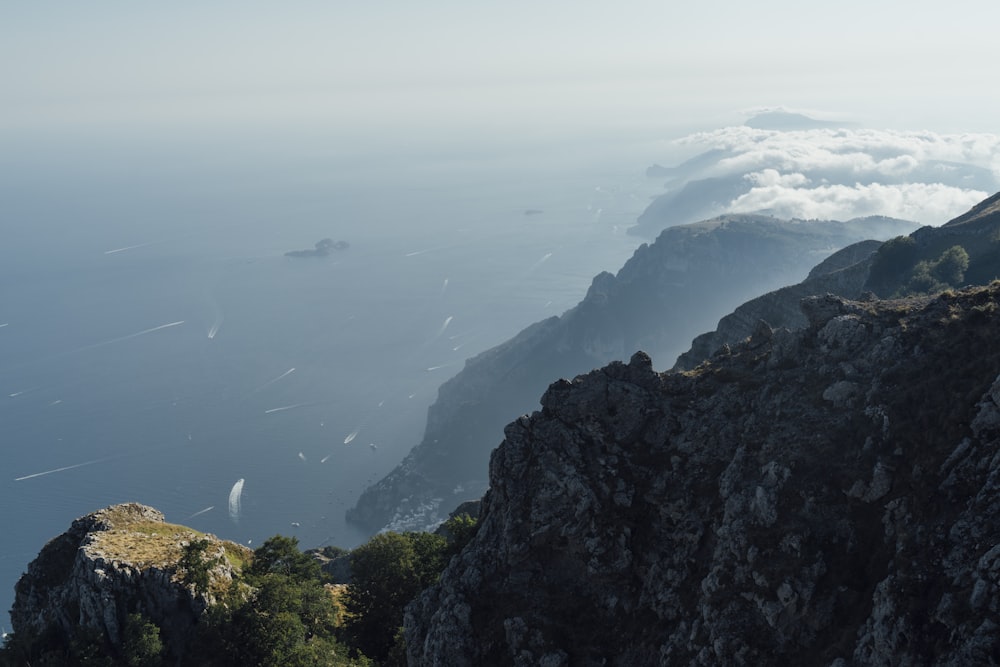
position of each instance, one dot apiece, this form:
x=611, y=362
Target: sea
x=157, y=344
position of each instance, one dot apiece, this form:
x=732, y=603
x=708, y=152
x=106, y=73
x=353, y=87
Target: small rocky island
x=322, y=248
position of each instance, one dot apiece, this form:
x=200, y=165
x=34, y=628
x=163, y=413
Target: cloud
x=772, y=177
x=921, y=202
x=840, y=173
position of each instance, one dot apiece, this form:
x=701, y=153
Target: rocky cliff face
x=666, y=294
x=117, y=561
x=822, y=497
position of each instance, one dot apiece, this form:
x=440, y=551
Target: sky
x=445, y=70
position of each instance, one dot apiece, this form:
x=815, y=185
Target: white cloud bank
x=845, y=173
x=926, y=203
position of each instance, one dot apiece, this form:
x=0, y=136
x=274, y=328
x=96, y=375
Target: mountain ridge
x=864, y=268
x=665, y=295
x=819, y=497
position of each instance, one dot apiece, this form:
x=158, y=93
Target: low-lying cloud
x=927, y=203
x=841, y=173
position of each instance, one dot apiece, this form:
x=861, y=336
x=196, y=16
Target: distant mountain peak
x=786, y=121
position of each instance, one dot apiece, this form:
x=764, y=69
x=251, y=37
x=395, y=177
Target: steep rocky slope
x=116, y=561
x=665, y=294
x=822, y=497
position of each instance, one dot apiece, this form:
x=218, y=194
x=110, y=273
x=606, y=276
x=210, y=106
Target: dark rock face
x=666, y=294
x=823, y=497
x=111, y=563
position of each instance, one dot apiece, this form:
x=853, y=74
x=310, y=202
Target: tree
x=141, y=645
x=281, y=555
x=459, y=531
x=951, y=266
x=930, y=277
x=922, y=280
x=388, y=572
x=195, y=566
x=281, y=615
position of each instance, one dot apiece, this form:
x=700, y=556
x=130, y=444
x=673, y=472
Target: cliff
x=667, y=293
x=821, y=497
x=111, y=563
x=865, y=268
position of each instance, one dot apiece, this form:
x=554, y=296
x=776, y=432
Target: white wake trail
x=128, y=247
x=54, y=470
x=444, y=326
x=283, y=408
x=431, y=369
x=537, y=264
x=235, y=497
x=273, y=380
x=200, y=512
x=214, y=329
x=130, y=336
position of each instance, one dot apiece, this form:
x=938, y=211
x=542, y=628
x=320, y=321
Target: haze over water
x=159, y=346
x=157, y=161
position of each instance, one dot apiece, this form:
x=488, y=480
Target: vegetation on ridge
x=279, y=608
x=904, y=266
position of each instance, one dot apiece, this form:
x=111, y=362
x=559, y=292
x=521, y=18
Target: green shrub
x=931, y=277
x=195, y=566
x=388, y=572
x=281, y=555
x=141, y=645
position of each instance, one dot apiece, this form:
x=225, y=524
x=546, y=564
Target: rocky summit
x=829, y=496
x=114, y=562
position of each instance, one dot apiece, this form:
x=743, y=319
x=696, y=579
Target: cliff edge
x=827, y=496
x=114, y=562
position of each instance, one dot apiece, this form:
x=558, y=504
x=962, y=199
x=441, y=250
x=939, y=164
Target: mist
x=159, y=344
x=482, y=164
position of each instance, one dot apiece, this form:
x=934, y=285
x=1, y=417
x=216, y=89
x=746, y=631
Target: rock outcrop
x=114, y=562
x=821, y=497
x=666, y=294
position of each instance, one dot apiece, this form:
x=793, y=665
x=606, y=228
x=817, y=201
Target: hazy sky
x=516, y=66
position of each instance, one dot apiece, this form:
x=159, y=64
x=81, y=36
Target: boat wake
x=235, y=500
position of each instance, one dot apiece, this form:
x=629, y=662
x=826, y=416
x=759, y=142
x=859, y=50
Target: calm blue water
x=113, y=390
